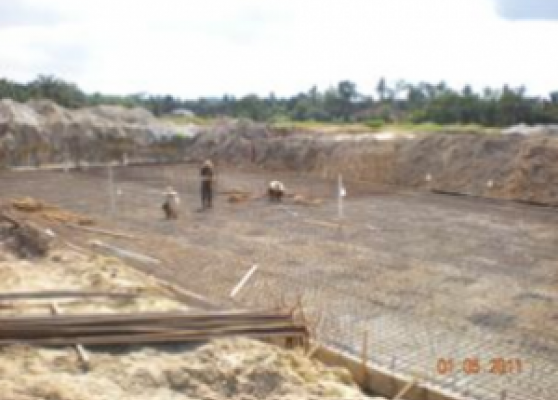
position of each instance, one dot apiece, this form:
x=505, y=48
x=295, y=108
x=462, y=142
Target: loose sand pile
x=68, y=270
x=224, y=369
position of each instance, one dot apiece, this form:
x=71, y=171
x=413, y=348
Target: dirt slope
x=514, y=167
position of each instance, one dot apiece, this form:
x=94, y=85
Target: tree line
x=390, y=103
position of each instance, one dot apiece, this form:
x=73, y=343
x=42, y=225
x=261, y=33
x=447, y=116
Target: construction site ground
x=426, y=276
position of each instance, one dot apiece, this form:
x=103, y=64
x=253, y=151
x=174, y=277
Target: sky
x=194, y=48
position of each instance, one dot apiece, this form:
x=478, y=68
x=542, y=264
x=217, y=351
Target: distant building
x=183, y=112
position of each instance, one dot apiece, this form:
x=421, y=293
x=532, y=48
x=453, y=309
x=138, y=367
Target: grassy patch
x=316, y=126
x=376, y=127
x=373, y=126
x=438, y=128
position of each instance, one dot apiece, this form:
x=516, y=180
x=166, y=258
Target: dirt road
x=428, y=276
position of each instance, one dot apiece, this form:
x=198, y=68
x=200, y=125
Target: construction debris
x=49, y=212
x=23, y=238
x=301, y=200
x=236, y=198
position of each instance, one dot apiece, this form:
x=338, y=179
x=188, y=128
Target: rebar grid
x=359, y=278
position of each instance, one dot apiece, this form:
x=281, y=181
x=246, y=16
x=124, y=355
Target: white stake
x=111, y=190
x=243, y=281
x=341, y=193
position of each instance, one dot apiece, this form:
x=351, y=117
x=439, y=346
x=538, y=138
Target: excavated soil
x=515, y=167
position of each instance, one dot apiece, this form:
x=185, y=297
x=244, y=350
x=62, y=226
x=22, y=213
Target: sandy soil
x=225, y=369
x=69, y=270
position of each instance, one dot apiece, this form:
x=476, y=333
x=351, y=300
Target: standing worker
x=206, y=174
x=252, y=152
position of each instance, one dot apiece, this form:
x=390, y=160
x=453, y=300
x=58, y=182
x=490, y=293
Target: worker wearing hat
x=276, y=191
x=207, y=177
x=171, y=203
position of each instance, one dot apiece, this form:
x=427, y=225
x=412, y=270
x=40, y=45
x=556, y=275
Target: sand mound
x=68, y=270
x=224, y=369
x=40, y=132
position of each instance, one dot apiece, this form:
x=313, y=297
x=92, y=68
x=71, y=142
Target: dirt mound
x=514, y=167
x=40, y=132
x=49, y=212
x=224, y=369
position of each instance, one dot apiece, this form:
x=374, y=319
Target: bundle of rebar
x=146, y=328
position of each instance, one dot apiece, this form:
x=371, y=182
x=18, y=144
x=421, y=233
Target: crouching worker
x=171, y=203
x=206, y=175
x=276, y=191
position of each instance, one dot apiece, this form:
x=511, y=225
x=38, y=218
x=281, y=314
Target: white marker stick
x=341, y=193
x=243, y=281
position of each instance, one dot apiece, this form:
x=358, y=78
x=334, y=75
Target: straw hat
x=169, y=191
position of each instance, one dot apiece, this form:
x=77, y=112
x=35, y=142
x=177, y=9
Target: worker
x=276, y=191
x=171, y=203
x=207, y=177
x=252, y=152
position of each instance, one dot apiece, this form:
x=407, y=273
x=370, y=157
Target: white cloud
x=528, y=9
x=26, y=12
x=211, y=47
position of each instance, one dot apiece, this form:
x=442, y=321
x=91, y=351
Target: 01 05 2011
x=475, y=365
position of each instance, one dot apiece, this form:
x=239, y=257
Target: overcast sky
x=194, y=48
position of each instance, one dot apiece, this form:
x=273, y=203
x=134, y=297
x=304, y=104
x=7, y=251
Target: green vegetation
x=380, y=126
x=403, y=105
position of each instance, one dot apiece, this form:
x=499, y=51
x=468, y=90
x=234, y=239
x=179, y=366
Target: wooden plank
x=166, y=337
x=364, y=357
x=126, y=253
x=313, y=350
x=102, y=231
x=138, y=317
x=381, y=380
x=82, y=354
x=49, y=294
x=405, y=390
x=39, y=331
